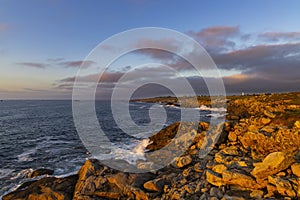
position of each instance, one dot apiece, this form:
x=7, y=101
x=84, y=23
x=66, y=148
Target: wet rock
x=272, y=164
x=163, y=137
x=40, y=172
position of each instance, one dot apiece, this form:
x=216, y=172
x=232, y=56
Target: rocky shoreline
x=256, y=157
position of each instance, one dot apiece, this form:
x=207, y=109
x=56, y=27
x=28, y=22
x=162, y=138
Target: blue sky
x=42, y=42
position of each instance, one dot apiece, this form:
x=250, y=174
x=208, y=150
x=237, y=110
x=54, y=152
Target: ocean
x=41, y=134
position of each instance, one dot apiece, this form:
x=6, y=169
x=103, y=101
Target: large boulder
x=272, y=164
x=98, y=181
x=46, y=188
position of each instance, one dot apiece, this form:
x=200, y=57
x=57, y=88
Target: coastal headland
x=257, y=156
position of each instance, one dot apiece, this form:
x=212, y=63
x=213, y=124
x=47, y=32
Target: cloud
x=277, y=36
x=107, y=77
x=261, y=57
x=33, y=64
x=217, y=38
x=218, y=31
x=77, y=64
x=262, y=62
x=55, y=59
x=52, y=62
x=34, y=90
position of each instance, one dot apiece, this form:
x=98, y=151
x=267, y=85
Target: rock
x=252, y=128
x=257, y=194
x=198, y=167
x=265, y=120
x=232, y=117
x=268, y=129
x=138, y=194
x=204, y=196
x=155, y=185
x=227, y=126
x=214, y=178
x=271, y=190
x=163, y=137
x=176, y=196
x=40, y=172
x=183, y=161
x=232, y=136
x=103, y=182
x=109, y=195
x=297, y=124
x=189, y=189
x=272, y=164
x=221, y=157
x=227, y=197
x=283, y=187
x=46, y=188
x=269, y=114
x=215, y=192
x=296, y=169
x=204, y=126
x=241, y=180
x=280, y=174
x=231, y=151
x=219, y=168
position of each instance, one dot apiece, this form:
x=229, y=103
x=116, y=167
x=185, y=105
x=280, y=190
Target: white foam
x=22, y=174
x=215, y=115
x=5, y=173
x=25, y=156
x=203, y=107
x=130, y=153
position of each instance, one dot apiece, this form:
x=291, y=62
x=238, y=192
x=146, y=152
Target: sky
x=254, y=44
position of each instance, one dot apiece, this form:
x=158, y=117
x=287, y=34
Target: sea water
x=36, y=134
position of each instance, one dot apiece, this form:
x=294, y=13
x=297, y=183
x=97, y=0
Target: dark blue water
x=35, y=134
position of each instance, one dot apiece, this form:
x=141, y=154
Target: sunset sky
x=255, y=44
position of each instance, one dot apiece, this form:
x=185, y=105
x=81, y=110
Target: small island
x=256, y=157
